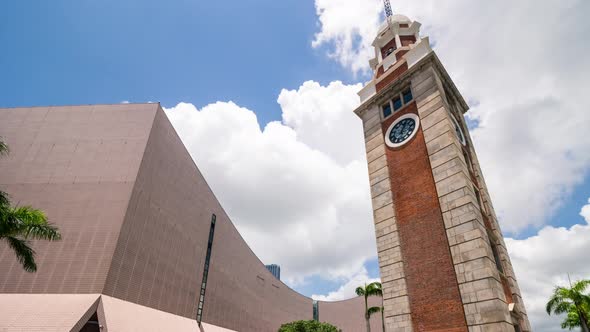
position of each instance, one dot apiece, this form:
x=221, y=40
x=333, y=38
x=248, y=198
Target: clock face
x=402, y=130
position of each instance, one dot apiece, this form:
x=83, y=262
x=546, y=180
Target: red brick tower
x=443, y=262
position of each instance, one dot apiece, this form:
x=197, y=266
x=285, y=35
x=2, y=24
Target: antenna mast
x=388, y=11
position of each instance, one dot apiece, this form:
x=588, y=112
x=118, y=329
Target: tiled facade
x=79, y=166
x=346, y=313
x=435, y=239
x=134, y=212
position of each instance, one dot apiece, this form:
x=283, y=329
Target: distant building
x=275, y=270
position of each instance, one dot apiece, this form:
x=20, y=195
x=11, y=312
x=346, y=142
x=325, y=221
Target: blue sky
x=88, y=52
x=201, y=52
x=85, y=52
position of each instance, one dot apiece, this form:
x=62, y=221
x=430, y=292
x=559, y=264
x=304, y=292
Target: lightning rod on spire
x=388, y=11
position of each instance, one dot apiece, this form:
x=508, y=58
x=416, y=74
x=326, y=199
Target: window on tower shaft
x=386, y=110
x=468, y=162
x=496, y=256
x=480, y=202
x=397, y=104
x=407, y=96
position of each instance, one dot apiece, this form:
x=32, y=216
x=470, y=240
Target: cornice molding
x=429, y=60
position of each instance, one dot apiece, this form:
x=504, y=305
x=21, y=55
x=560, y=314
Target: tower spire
x=388, y=11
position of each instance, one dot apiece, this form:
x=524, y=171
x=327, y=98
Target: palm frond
x=360, y=291
x=42, y=232
x=563, y=292
x=571, y=301
x=4, y=150
x=562, y=307
x=374, y=289
x=32, y=224
x=581, y=285
x=572, y=321
x=8, y=225
x=24, y=253
x=373, y=310
x=20, y=224
x=28, y=214
x=555, y=299
x=4, y=201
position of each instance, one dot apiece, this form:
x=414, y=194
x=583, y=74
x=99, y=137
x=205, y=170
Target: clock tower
x=442, y=257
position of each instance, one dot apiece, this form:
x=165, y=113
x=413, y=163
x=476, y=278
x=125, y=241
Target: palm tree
x=574, y=302
x=19, y=225
x=380, y=293
x=372, y=289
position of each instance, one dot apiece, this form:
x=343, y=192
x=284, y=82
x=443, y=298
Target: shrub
x=308, y=326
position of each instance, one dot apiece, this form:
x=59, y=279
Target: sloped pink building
x=136, y=219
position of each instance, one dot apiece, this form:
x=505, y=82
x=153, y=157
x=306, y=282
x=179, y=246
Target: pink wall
x=78, y=164
x=135, y=213
x=349, y=314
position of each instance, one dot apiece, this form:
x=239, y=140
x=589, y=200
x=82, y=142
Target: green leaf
x=570, y=301
x=360, y=291
x=29, y=223
x=4, y=202
x=307, y=326
x=374, y=289
x=18, y=225
x=373, y=310
x=24, y=253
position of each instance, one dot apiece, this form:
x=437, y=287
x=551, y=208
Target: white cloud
x=543, y=261
x=286, y=186
x=323, y=118
x=585, y=212
x=348, y=27
x=523, y=66
x=347, y=289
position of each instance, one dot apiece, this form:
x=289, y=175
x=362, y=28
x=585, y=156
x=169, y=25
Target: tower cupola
x=397, y=47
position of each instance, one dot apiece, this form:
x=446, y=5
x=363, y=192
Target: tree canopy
x=574, y=302
x=372, y=289
x=308, y=326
